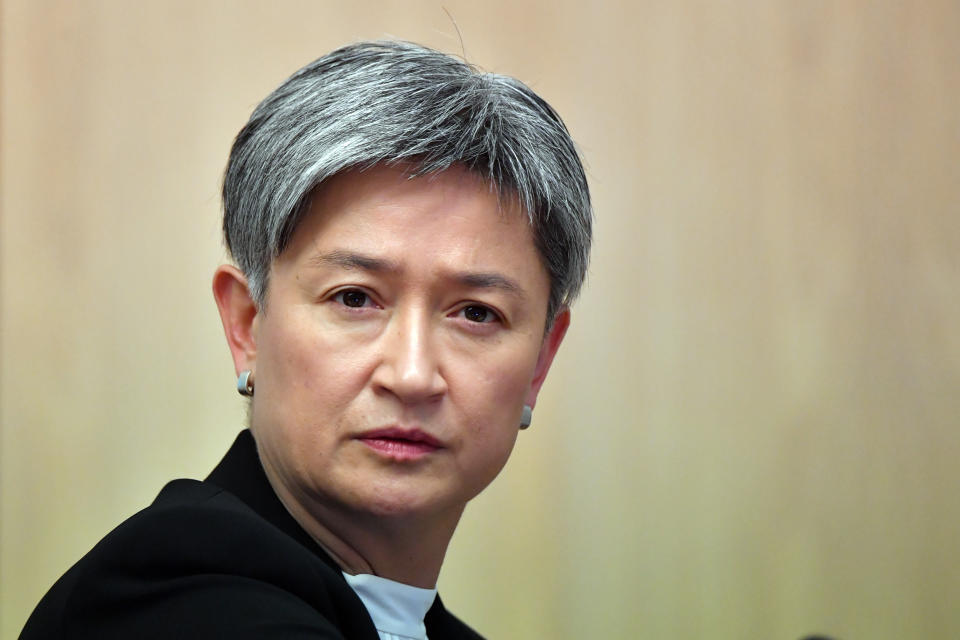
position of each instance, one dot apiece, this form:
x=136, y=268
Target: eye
x=479, y=314
x=354, y=298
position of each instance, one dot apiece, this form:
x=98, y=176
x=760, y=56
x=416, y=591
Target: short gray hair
x=397, y=102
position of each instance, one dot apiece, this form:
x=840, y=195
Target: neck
x=408, y=549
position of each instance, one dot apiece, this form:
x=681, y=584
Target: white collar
x=395, y=607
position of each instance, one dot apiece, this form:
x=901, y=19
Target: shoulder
x=202, y=526
x=198, y=562
x=443, y=625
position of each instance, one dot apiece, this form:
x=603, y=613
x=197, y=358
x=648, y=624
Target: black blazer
x=220, y=558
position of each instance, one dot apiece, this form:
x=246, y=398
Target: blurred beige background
x=752, y=430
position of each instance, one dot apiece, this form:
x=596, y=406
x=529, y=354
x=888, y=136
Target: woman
x=408, y=234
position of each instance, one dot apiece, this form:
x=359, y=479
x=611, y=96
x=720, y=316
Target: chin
x=399, y=500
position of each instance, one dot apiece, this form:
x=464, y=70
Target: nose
x=409, y=366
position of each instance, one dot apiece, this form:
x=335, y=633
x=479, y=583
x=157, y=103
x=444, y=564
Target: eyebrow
x=472, y=279
x=351, y=260
x=483, y=280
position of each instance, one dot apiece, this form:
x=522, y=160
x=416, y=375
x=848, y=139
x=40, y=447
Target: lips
x=400, y=444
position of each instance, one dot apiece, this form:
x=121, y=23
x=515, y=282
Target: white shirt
x=397, y=609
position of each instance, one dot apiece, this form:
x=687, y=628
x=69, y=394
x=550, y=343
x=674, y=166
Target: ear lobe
x=237, y=313
x=548, y=350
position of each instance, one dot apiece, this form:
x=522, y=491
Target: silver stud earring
x=526, y=417
x=245, y=383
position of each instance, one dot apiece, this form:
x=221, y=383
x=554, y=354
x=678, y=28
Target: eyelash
x=494, y=317
x=368, y=302
x=338, y=297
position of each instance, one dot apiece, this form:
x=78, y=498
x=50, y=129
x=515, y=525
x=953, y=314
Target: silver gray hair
x=397, y=102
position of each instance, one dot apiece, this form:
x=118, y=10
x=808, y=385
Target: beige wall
x=752, y=429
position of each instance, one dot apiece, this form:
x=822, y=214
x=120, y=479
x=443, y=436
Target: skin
x=410, y=304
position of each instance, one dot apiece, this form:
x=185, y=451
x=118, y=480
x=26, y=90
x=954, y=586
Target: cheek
x=306, y=377
x=492, y=401
x=492, y=430
x=505, y=376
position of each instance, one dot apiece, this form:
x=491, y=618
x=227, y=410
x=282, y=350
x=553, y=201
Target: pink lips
x=401, y=444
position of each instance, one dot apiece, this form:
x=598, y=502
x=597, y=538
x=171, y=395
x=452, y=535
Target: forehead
x=454, y=216
x=394, y=187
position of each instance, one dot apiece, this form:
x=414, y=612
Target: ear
x=551, y=342
x=237, y=313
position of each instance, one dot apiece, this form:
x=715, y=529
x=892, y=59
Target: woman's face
x=402, y=334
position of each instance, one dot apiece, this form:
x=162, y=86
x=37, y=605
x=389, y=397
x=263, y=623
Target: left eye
x=479, y=314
